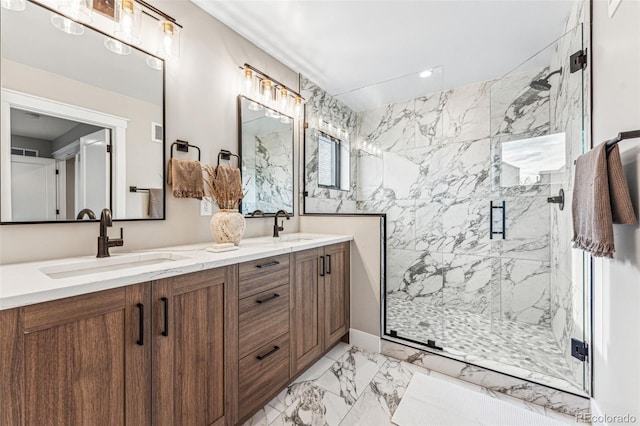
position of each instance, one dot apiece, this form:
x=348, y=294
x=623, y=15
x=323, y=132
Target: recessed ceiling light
x=426, y=73
x=32, y=115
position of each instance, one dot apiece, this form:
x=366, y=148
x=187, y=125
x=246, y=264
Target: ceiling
x=31, y=125
x=29, y=38
x=345, y=45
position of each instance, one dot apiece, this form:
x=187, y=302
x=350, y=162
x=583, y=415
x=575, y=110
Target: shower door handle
x=504, y=220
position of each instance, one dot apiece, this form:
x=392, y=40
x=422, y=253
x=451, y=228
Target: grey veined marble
x=441, y=164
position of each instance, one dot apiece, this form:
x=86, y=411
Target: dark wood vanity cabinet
x=198, y=349
x=193, y=328
x=336, y=292
x=78, y=361
x=263, y=331
x=151, y=353
x=320, y=302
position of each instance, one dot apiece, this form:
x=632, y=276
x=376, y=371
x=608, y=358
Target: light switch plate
x=206, y=206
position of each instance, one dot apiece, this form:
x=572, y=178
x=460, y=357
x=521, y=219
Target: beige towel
x=155, y=203
x=599, y=189
x=185, y=176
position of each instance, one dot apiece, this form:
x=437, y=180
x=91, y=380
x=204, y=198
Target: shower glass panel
x=479, y=261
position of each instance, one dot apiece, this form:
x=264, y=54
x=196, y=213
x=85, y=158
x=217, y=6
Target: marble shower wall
x=319, y=104
x=434, y=180
x=267, y=166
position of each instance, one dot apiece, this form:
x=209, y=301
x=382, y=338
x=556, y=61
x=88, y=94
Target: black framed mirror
x=82, y=126
x=266, y=150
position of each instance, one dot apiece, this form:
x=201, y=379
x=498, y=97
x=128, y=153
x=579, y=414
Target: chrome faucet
x=104, y=242
x=88, y=212
x=276, y=228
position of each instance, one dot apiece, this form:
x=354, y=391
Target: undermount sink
x=113, y=263
x=295, y=239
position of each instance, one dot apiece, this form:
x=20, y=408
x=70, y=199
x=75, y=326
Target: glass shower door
x=537, y=289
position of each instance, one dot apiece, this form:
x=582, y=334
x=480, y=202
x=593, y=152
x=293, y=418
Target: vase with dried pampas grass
x=224, y=185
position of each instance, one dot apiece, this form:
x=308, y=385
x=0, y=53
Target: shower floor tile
x=512, y=347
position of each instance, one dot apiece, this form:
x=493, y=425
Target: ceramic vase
x=227, y=226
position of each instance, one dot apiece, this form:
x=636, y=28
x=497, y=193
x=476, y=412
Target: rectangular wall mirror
x=82, y=127
x=266, y=149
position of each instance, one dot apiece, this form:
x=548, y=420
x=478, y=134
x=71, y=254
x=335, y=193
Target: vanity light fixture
x=128, y=15
x=169, y=39
x=263, y=91
x=17, y=5
x=297, y=106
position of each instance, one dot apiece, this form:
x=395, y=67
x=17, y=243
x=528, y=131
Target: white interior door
x=33, y=188
x=92, y=172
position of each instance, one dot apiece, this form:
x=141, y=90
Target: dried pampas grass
x=224, y=185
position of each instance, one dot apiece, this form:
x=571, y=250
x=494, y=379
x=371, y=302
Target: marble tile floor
x=477, y=339
x=350, y=386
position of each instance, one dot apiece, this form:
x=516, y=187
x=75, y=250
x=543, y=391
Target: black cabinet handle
x=275, y=296
x=328, y=264
x=268, y=265
x=140, y=341
x=322, y=266
x=271, y=352
x=165, y=302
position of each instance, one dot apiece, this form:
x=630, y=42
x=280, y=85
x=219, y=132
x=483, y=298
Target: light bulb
x=169, y=42
x=266, y=90
x=284, y=98
x=298, y=106
x=248, y=80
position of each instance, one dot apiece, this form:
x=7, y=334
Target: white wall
x=201, y=90
x=616, y=302
x=365, y=264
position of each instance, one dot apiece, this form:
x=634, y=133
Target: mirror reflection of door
x=58, y=167
x=92, y=172
x=34, y=187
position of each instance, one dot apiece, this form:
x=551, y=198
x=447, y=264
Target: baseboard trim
x=366, y=341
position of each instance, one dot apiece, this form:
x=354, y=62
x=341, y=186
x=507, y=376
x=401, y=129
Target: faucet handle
x=121, y=234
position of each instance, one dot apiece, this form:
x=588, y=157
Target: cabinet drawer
x=262, y=274
x=263, y=317
x=262, y=373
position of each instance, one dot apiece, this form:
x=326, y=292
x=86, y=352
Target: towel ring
x=226, y=155
x=183, y=146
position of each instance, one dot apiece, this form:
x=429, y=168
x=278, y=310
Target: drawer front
x=263, y=317
x=261, y=378
x=260, y=275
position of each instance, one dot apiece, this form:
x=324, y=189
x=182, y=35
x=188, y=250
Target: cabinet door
x=307, y=309
x=336, y=293
x=82, y=360
x=189, y=327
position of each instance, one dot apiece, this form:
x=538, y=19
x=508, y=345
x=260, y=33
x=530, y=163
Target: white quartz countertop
x=24, y=284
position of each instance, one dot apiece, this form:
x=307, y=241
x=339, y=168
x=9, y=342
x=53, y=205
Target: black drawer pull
x=328, y=264
x=275, y=296
x=271, y=352
x=268, y=265
x=165, y=302
x=140, y=341
x=322, y=266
